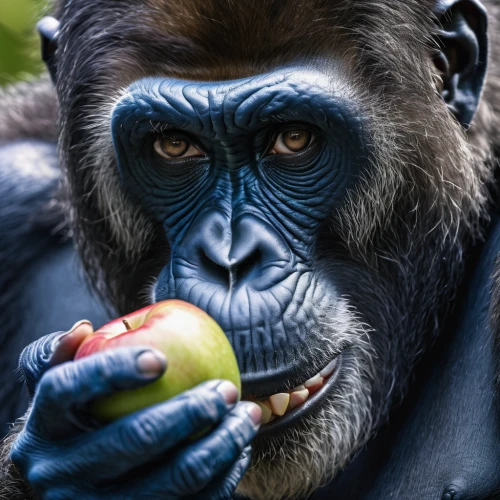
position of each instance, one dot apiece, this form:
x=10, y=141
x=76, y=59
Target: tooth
x=266, y=412
x=313, y=384
x=298, y=388
x=266, y=403
x=312, y=381
x=279, y=403
x=297, y=398
x=329, y=368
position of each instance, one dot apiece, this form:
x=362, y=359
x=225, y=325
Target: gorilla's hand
x=64, y=453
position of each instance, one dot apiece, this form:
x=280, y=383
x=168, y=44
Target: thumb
x=66, y=344
x=51, y=350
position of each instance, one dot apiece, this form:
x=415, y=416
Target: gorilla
x=320, y=178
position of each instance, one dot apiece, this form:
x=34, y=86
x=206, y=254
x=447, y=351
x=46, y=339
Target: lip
x=262, y=385
x=292, y=416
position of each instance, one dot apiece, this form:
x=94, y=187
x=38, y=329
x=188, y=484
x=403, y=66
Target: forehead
x=230, y=39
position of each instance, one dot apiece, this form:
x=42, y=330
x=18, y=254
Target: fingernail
x=73, y=328
x=229, y=391
x=151, y=364
x=255, y=413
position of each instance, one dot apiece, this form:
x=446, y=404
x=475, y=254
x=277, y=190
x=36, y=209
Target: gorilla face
x=319, y=212
x=242, y=177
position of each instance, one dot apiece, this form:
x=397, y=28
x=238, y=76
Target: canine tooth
x=329, y=368
x=297, y=398
x=279, y=403
x=299, y=388
x=266, y=412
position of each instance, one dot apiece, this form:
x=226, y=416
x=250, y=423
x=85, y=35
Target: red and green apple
x=195, y=346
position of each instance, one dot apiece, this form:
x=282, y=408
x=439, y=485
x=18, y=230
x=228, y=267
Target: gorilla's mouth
x=283, y=408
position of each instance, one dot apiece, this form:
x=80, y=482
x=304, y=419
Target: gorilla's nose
x=234, y=253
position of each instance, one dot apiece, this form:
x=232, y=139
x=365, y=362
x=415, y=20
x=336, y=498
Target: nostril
x=247, y=267
x=213, y=272
x=229, y=276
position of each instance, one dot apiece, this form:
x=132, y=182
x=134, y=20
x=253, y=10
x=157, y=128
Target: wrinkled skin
x=241, y=223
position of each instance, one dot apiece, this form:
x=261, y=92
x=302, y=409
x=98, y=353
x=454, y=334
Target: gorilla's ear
x=48, y=28
x=463, y=55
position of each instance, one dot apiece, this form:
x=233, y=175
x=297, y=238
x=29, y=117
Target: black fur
x=30, y=222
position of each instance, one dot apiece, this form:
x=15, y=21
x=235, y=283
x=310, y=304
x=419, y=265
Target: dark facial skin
x=241, y=211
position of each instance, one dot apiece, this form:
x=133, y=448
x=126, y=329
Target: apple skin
x=195, y=346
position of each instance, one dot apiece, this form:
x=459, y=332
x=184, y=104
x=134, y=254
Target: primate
x=314, y=175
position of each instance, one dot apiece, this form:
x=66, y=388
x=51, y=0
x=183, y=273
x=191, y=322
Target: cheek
x=306, y=194
x=172, y=196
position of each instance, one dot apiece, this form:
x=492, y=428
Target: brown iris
x=296, y=140
x=291, y=141
x=174, y=147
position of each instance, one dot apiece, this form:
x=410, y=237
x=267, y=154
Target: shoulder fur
x=29, y=111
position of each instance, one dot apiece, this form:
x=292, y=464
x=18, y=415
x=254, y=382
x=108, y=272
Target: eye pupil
x=296, y=140
x=174, y=147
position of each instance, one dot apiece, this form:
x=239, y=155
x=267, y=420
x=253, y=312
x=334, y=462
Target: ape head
x=299, y=170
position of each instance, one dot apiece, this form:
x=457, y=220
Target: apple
x=195, y=346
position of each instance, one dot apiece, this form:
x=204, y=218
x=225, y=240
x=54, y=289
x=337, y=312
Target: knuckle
x=52, y=384
x=95, y=370
x=242, y=434
x=105, y=364
x=233, y=433
x=232, y=438
x=228, y=488
x=203, y=408
x=29, y=366
x=240, y=428
x=143, y=432
x=36, y=355
x=194, y=471
x=108, y=365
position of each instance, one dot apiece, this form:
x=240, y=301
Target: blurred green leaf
x=19, y=15
x=19, y=43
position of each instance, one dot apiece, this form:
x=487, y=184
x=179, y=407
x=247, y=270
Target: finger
x=65, y=390
x=146, y=435
x=224, y=487
x=38, y=357
x=68, y=343
x=190, y=470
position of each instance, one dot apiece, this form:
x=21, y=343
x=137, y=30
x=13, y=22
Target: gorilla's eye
x=291, y=141
x=174, y=147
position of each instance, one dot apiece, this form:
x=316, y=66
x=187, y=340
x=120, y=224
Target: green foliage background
x=19, y=43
